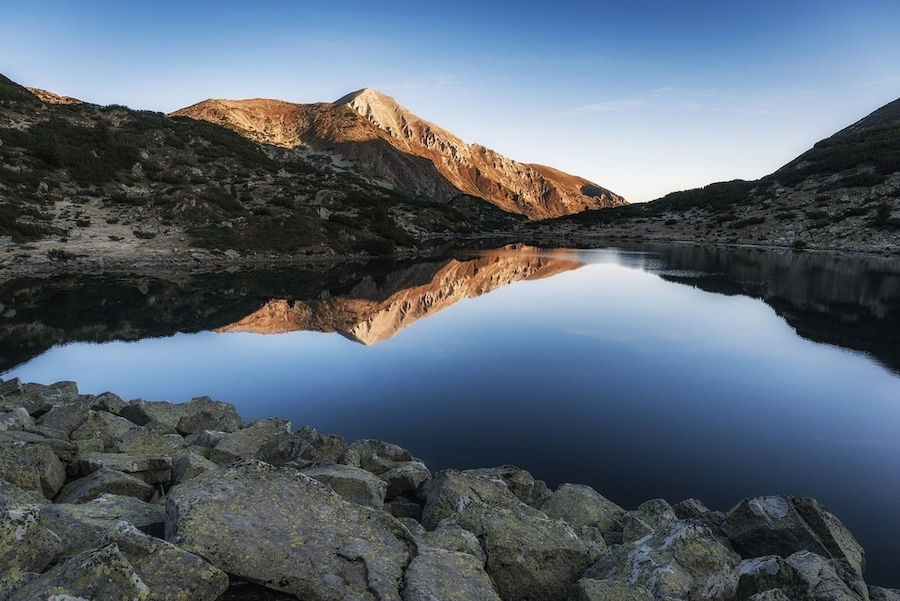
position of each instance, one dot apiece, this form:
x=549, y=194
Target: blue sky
x=641, y=96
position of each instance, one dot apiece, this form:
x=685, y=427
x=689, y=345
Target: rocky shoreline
x=103, y=499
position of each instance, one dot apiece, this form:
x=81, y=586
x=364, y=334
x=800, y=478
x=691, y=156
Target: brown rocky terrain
x=51, y=98
x=373, y=135
x=369, y=314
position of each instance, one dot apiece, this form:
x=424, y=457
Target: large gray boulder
x=282, y=529
x=530, y=557
x=684, y=560
x=823, y=580
x=13, y=496
x=170, y=573
x=452, y=537
x=450, y=491
x=188, y=464
x=877, y=593
x=440, y=575
x=262, y=440
x=152, y=469
x=353, y=483
x=406, y=479
x=520, y=482
x=36, y=398
x=15, y=419
x=97, y=575
x=104, y=481
x=32, y=467
x=376, y=456
x=650, y=516
x=784, y=525
x=307, y=446
x=147, y=441
x=66, y=418
x=588, y=589
x=81, y=526
x=586, y=510
x=104, y=426
x=694, y=509
x=194, y=416
x=24, y=544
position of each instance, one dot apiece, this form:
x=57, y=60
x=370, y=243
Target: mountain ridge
x=421, y=158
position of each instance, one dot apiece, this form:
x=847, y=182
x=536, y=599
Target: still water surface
x=667, y=372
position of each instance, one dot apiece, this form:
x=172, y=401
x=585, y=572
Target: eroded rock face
x=352, y=483
x=529, y=556
x=24, y=544
x=450, y=491
x=520, y=482
x=588, y=589
x=307, y=446
x=104, y=481
x=32, y=467
x=305, y=539
x=99, y=575
x=81, y=526
x=201, y=413
x=169, y=573
x=784, y=525
x=586, y=511
x=406, y=479
x=376, y=456
x=684, y=560
x=262, y=440
x=649, y=517
x=438, y=574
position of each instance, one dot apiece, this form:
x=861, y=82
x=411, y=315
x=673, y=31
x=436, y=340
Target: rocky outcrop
x=368, y=522
x=387, y=143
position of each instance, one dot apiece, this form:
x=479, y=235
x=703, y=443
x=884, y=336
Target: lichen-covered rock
x=784, y=525
x=32, y=467
x=64, y=449
x=102, y=425
x=530, y=557
x=452, y=537
x=13, y=579
x=307, y=446
x=189, y=465
x=170, y=573
x=821, y=580
x=15, y=419
x=194, y=416
x=352, y=483
x=24, y=544
x=304, y=539
x=107, y=401
x=104, y=481
x=588, y=589
x=152, y=469
x=585, y=510
x=520, y=482
x=450, y=491
x=260, y=440
x=97, y=575
x=694, y=509
x=207, y=439
x=877, y=593
x=81, y=526
x=36, y=398
x=66, y=418
x=440, y=575
x=649, y=517
x=401, y=507
x=406, y=479
x=143, y=440
x=377, y=456
x=760, y=574
x=13, y=496
x=772, y=594
x=684, y=560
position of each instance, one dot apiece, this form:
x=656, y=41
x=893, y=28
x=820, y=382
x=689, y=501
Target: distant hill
x=844, y=192
x=374, y=136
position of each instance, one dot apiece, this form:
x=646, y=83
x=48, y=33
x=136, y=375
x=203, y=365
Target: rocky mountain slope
x=82, y=182
x=371, y=134
x=843, y=193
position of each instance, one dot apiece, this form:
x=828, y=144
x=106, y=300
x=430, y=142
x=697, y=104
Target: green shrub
x=59, y=255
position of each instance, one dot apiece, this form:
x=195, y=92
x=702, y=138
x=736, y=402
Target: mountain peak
x=368, y=95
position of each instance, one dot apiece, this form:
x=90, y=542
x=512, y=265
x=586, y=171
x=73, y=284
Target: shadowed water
x=671, y=371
